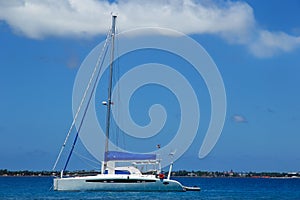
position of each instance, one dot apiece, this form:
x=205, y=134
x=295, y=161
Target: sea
x=211, y=188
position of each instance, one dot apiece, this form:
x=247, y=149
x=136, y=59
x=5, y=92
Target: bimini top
x=119, y=156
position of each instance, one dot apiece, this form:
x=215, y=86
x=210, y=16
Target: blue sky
x=255, y=45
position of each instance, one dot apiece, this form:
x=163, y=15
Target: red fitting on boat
x=161, y=176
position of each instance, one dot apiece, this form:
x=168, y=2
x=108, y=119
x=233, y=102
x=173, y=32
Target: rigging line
x=85, y=110
x=116, y=78
x=103, y=52
x=85, y=160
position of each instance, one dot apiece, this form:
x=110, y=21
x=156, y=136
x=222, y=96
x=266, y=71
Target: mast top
x=113, y=26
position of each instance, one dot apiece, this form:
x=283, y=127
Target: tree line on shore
x=231, y=173
x=5, y=172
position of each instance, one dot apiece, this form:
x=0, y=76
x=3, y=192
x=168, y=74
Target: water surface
x=211, y=188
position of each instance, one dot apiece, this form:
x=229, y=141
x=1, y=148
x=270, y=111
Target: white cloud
x=239, y=119
x=269, y=43
x=233, y=21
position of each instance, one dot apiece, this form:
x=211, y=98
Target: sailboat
x=115, y=177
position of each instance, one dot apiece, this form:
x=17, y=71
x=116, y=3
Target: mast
x=113, y=31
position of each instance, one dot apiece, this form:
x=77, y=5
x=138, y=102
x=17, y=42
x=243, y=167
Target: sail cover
x=117, y=155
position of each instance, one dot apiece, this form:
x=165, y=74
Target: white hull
x=109, y=182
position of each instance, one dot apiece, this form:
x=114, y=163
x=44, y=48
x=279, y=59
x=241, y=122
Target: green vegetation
x=235, y=174
x=5, y=172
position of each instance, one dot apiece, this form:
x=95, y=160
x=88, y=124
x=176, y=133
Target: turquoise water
x=212, y=188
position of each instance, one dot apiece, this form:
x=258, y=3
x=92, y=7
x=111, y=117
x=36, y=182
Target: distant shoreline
x=204, y=177
x=180, y=173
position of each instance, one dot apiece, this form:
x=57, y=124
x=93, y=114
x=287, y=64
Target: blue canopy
x=116, y=155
